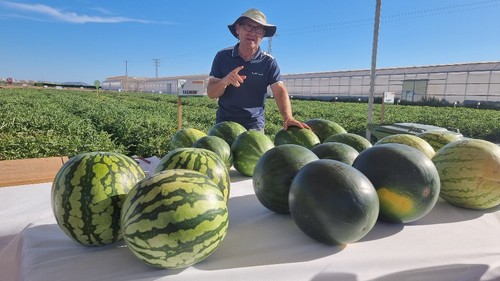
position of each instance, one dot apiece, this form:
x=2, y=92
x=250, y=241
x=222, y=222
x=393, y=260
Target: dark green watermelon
x=324, y=128
x=406, y=180
x=247, y=148
x=333, y=202
x=355, y=141
x=185, y=138
x=227, y=130
x=296, y=135
x=217, y=145
x=336, y=151
x=274, y=173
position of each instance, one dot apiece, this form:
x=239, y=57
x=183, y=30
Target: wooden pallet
x=29, y=171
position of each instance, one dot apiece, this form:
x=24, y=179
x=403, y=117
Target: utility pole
x=270, y=45
x=157, y=64
x=126, y=76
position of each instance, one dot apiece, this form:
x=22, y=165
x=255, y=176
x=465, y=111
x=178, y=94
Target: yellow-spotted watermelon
x=406, y=180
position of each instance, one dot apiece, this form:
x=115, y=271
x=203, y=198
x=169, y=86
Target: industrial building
x=460, y=82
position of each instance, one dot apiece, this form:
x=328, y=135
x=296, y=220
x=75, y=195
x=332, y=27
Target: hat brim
x=269, y=28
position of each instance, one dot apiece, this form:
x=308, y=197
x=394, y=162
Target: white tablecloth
x=449, y=244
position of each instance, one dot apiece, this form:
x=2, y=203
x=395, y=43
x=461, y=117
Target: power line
x=469, y=6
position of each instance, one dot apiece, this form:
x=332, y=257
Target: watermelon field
x=37, y=122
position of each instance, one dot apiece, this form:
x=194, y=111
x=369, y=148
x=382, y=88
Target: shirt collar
x=236, y=54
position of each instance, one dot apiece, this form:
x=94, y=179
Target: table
x=448, y=244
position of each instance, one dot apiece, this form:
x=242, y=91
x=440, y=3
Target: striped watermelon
x=174, y=218
x=355, y=141
x=200, y=160
x=247, y=148
x=438, y=139
x=324, y=128
x=469, y=170
x=87, y=195
x=410, y=140
x=227, y=130
x=217, y=145
x=296, y=135
x=185, y=138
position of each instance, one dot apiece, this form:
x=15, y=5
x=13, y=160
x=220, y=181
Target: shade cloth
x=449, y=244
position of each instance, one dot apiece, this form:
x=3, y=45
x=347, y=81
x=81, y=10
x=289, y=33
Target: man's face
x=250, y=33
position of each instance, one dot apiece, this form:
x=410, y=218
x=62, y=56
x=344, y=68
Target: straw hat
x=256, y=16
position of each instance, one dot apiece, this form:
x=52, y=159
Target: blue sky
x=87, y=40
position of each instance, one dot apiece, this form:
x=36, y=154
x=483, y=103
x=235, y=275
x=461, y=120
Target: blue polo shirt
x=245, y=104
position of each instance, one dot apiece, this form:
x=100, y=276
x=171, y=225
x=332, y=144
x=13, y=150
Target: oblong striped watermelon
x=217, y=145
x=200, y=160
x=437, y=139
x=410, y=140
x=227, y=130
x=295, y=135
x=174, y=219
x=247, y=148
x=469, y=170
x=185, y=138
x=87, y=195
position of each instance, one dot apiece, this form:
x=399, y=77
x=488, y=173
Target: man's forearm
x=215, y=87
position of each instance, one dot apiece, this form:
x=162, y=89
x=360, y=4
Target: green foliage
x=50, y=122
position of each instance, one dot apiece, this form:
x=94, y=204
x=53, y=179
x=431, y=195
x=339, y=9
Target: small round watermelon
x=438, y=139
x=227, y=130
x=406, y=180
x=336, y=151
x=185, y=138
x=87, y=195
x=469, y=170
x=410, y=140
x=274, y=173
x=296, y=135
x=174, y=219
x=247, y=148
x=324, y=128
x=332, y=202
x=355, y=141
x=217, y=145
x=201, y=160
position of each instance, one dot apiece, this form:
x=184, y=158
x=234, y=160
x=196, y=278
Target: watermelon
x=336, y=151
x=410, y=140
x=185, y=138
x=332, y=202
x=247, y=148
x=324, y=128
x=469, y=170
x=217, y=145
x=406, y=180
x=274, y=173
x=87, y=195
x=227, y=130
x=438, y=139
x=355, y=141
x=174, y=219
x=296, y=135
x=201, y=160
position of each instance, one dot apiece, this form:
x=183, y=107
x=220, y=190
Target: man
x=241, y=74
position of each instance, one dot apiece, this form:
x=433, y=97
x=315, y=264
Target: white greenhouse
x=461, y=82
